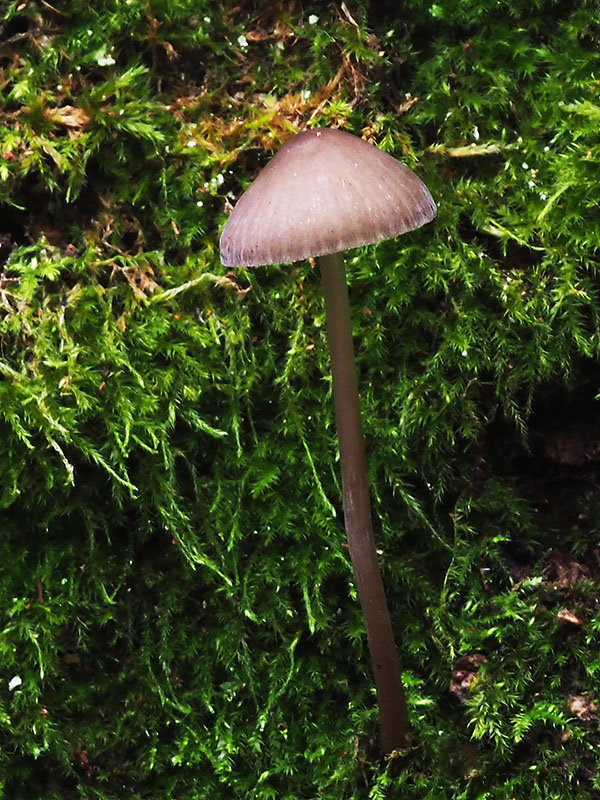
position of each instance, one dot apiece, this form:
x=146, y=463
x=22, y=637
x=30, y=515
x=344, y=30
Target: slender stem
x=357, y=513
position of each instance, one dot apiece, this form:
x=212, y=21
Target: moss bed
x=177, y=612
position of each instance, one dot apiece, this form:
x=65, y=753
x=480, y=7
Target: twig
x=466, y=150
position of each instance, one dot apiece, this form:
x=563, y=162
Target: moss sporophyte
x=326, y=191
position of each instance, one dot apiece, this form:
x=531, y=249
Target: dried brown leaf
x=71, y=116
x=583, y=707
x=409, y=101
x=256, y=35
x=568, y=571
x=564, y=615
x=464, y=674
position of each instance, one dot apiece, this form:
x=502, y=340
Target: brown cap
x=324, y=191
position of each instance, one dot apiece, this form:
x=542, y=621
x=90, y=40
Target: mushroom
x=326, y=191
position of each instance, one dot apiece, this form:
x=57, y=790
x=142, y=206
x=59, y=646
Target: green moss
x=178, y=614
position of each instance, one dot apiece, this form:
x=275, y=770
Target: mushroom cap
x=324, y=191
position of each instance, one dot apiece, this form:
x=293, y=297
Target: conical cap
x=324, y=191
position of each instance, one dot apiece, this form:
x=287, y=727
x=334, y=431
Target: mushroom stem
x=357, y=513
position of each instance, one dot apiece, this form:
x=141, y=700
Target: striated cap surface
x=324, y=191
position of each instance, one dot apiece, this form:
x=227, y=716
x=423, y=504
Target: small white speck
x=531, y=184
x=14, y=682
x=105, y=61
x=525, y=166
x=355, y=164
x=464, y=353
x=242, y=41
x=90, y=31
x=200, y=203
x=313, y=19
x=476, y=133
x=192, y=143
